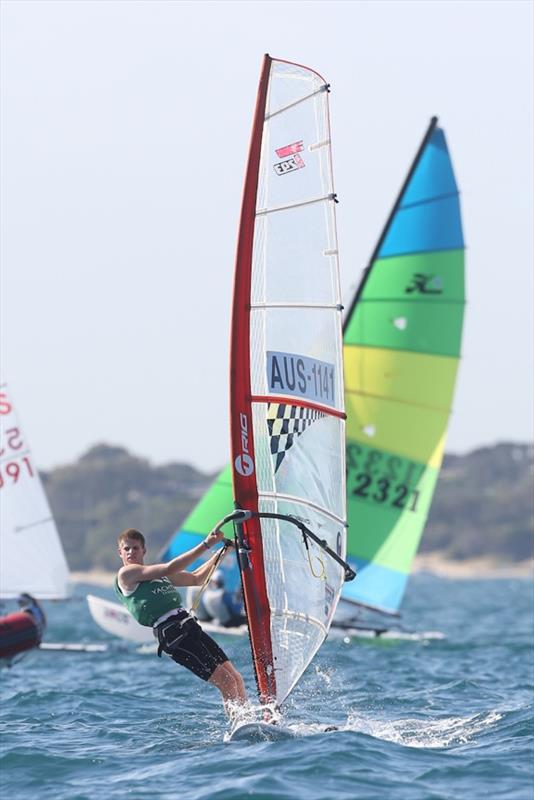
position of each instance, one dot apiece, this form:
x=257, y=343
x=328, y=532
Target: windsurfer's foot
x=238, y=712
x=271, y=715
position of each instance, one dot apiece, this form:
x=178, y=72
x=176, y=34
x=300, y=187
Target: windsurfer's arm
x=197, y=576
x=133, y=574
x=183, y=561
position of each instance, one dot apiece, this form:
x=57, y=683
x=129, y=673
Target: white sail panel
x=296, y=372
x=31, y=556
x=303, y=587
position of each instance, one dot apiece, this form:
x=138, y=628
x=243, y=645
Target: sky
x=124, y=138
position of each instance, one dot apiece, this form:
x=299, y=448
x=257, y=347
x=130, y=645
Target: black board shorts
x=182, y=638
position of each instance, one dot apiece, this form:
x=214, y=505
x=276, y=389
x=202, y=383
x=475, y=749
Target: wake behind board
x=259, y=732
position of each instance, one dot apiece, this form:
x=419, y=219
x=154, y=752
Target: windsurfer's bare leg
x=230, y=684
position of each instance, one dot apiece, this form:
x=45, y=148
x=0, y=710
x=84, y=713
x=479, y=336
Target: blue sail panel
x=423, y=228
x=376, y=586
x=428, y=217
x=434, y=176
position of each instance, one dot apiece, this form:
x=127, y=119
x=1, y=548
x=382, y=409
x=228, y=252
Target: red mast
x=243, y=461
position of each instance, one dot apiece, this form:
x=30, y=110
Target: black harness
x=173, y=630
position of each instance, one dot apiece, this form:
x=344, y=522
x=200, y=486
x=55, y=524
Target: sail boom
x=350, y=574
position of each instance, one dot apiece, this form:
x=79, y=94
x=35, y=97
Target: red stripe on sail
x=296, y=401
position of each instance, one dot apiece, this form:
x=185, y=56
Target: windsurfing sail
x=286, y=381
x=31, y=555
x=402, y=338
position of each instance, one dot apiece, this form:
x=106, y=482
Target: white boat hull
x=117, y=621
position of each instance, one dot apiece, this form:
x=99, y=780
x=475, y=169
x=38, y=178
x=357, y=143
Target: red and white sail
x=31, y=555
x=287, y=397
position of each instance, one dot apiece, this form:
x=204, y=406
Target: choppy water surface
x=445, y=718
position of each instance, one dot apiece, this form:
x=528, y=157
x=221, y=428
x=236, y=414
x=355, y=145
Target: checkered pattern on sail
x=285, y=422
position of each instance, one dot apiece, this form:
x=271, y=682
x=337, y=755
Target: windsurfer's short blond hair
x=131, y=533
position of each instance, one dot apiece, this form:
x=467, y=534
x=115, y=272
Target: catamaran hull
x=114, y=619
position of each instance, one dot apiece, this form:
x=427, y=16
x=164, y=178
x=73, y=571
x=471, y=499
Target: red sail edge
x=243, y=461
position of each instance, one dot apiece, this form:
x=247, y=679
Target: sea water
x=419, y=720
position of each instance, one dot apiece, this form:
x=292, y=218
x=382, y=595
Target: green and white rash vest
x=150, y=600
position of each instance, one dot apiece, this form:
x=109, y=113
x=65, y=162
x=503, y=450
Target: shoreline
x=472, y=568
x=429, y=563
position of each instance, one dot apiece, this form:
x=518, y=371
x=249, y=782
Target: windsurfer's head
x=131, y=533
x=131, y=546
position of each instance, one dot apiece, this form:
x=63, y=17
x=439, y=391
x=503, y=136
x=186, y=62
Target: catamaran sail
x=286, y=383
x=402, y=339
x=31, y=556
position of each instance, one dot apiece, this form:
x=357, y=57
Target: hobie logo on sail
x=243, y=462
x=425, y=284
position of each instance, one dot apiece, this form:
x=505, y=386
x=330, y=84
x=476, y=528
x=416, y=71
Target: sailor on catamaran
x=149, y=594
x=223, y=607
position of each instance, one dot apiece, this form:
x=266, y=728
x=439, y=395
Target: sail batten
x=290, y=106
x=327, y=197
x=261, y=306
x=303, y=502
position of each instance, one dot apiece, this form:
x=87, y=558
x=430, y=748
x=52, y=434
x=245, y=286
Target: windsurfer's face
x=131, y=551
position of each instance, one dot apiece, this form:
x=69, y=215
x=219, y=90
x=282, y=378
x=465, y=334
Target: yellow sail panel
x=414, y=432
x=424, y=380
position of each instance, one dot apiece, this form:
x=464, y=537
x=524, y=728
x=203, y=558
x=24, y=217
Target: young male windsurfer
x=149, y=594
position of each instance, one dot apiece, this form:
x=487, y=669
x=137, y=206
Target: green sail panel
x=431, y=282
x=402, y=344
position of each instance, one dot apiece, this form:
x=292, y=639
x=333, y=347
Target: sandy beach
x=432, y=563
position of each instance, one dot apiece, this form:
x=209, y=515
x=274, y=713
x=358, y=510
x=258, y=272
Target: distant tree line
x=483, y=506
